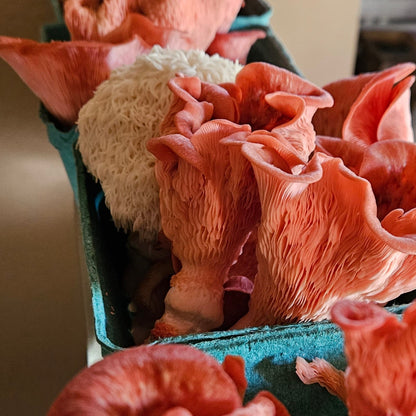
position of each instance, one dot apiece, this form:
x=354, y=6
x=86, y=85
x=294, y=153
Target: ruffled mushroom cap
x=265, y=96
x=258, y=79
x=390, y=167
x=209, y=206
x=381, y=355
x=369, y=107
x=196, y=102
x=320, y=239
x=124, y=113
x=64, y=75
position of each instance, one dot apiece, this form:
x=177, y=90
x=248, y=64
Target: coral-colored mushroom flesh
x=381, y=356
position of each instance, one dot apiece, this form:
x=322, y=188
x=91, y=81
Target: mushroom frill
x=381, y=361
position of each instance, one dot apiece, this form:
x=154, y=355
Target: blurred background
x=42, y=314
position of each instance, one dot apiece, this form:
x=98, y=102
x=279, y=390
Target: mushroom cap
x=92, y=19
x=369, y=107
x=150, y=380
x=263, y=96
x=201, y=19
x=235, y=45
x=64, y=75
x=381, y=356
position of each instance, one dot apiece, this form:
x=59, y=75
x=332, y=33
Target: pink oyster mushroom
x=367, y=108
x=64, y=75
x=163, y=380
x=381, y=355
x=195, y=104
x=183, y=24
x=320, y=239
x=204, y=190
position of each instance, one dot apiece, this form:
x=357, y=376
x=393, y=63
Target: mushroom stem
x=194, y=303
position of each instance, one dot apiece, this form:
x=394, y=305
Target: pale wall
x=321, y=35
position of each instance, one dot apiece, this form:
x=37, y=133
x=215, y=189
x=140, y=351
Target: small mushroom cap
x=381, y=355
x=153, y=379
x=369, y=107
x=235, y=45
x=92, y=19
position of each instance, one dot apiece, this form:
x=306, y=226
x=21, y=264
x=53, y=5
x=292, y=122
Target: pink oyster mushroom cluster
x=163, y=380
x=320, y=183
x=381, y=361
x=209, y=199
x=108, y=34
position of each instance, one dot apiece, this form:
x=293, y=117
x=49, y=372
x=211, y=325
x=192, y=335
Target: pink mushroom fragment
x=309, y=253
x=162, y=380
x=138, y=25
x=235, y=45
x=390, y=168
x=381, y=355
x=209, y=206
x=237, y=290
x=369, y=107
x=64, y=75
